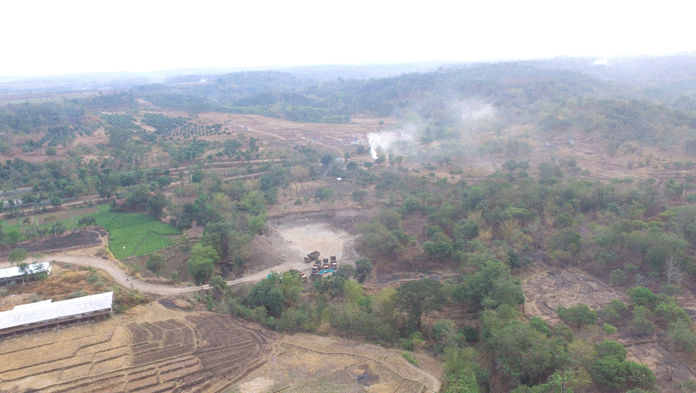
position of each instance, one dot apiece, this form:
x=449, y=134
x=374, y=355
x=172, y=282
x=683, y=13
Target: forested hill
x=504, y=84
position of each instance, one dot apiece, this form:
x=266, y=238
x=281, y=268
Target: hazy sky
x=59, y=37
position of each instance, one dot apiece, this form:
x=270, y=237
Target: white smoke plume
x=465, y=115
x=472, y=110
x=387, y=142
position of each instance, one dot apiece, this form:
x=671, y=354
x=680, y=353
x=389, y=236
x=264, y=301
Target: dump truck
x=312, y=256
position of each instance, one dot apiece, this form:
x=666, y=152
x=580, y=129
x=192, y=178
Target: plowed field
x=193, y=353
x=155, y=349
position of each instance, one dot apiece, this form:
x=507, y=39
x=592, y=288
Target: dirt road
x=113, y=270
x=305, y=236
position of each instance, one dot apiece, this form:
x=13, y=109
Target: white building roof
x=47, y=311
x=15, y=271
x=32, y=306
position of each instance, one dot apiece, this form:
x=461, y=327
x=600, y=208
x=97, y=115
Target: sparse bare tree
x=673, y=271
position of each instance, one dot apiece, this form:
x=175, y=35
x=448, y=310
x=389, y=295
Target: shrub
x=324, y=194
x=609, y=314
x=415, y=340
x=609, y=373
x=669, y=312
x=642, y=296
x=617, y=277
x=682, y=337
x=609, y=329
x=611, y=349
x=539, y=325
x=410, y=358
x=579, y=315
x=470, y=333
x=641, y=324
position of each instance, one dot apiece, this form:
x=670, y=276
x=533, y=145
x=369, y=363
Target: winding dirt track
x=112, y=269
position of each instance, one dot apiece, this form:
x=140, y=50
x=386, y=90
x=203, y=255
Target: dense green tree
x=478, y=285
x=363, y=269
x=642, y=323
x=580, y=315
x=681, y=337
x=346, y=271
x=326, y=159
x=56, y=201
x=440, y=251
x=156, y=204
x=84, y=221
x=462, y=382
x=379, y=240
x=525, y=353
x=331, y=285
x=669, y=312
x=201, y=263
x=506, y=290
x=640, y=376
x=610, y=349
x=266, y=294
x=218, y=284
x=256, y=224
x=610, y=373
x=539, y=325
x=419, y=297
x=156, y=263
x=17, y=255
x=568, y=241
x=641, y=296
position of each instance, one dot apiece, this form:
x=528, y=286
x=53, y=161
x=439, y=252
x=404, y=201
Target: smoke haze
x=450, y=120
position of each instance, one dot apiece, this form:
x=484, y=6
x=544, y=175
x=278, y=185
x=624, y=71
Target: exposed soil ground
x=545, y=288
x=156, y=349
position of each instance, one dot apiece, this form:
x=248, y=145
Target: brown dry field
x=545, y=288
x=154, y=348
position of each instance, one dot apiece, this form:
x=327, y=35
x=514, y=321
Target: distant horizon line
x=217, y=69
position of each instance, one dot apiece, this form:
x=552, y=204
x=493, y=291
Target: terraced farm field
x=194, y=353
x=157, y=349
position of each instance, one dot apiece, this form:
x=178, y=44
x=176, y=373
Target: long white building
x=15, y=273
x=46, y=313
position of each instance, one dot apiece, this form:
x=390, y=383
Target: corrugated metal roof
x=47, y=311
x=15, y=271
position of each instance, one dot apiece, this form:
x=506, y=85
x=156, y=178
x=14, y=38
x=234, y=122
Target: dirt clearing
x=289, y=239
x=547, y=288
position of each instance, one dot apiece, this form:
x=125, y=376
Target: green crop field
x=133, y=234
x=130, y=234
